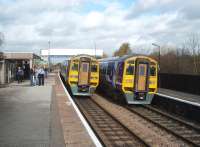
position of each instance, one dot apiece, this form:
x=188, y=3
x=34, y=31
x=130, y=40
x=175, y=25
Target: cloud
x=29, y=25
x=93, y=19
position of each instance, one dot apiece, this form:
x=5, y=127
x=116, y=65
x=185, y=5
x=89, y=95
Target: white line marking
x=87, y=127
x=178, y=99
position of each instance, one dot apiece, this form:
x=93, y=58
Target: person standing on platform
x=36, y=76
x=20, y=74
x=41, y=74
x=32, y=76
x=26, y=70
x=46, y=71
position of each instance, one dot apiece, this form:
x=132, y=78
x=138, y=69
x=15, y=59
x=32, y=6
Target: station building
x=9, y=61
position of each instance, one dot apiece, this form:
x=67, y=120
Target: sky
x=28, y=25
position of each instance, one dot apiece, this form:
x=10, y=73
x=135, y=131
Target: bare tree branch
x=193, y=43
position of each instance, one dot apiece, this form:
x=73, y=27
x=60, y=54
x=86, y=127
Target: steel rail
x=185, y=131
x=110, y=131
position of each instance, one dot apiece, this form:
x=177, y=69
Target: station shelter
x=10, y=61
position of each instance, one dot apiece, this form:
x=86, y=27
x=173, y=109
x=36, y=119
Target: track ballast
x=110, y=131
x=180, y=128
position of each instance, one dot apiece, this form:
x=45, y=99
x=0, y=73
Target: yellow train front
x=82, y=74
x=132, y=77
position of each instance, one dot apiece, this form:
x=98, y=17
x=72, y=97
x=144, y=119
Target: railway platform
x=180, y=96
x=40, y=116
x=179, y=103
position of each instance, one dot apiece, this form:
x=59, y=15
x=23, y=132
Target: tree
x=123, y=50
x=193, y=44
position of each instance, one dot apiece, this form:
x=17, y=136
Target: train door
x=141, y=77
x=84, y=73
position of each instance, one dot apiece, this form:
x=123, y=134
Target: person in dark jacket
x=26, y=69
x=20, y=74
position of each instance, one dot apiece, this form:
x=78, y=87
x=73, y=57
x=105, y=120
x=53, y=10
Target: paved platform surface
x=39, y=116
x=25, y=114
x=180, y=95
x=75, y=134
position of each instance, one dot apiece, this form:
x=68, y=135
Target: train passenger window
x=75, y=66
x=93, y=68
x=104, y=70
x=105, y=67
x=109, y=69
x=101, y=68
x=152, y=71
x=130, y=70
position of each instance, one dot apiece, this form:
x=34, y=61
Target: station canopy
x=71, y=52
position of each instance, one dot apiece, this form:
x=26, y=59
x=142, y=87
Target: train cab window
x=152, y=71
x=130, y=69
x=85, y=67
x=142, y=71
x=75, y=67
x=93, y=68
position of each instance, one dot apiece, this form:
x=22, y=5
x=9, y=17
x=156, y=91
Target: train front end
x=139, y=80
x=83, y=75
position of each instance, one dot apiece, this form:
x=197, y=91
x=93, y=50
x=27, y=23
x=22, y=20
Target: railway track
x=110, y=131
x=188, y=132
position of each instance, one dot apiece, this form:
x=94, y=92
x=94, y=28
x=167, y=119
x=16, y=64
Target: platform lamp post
x=49, y=43
x=95, y=49
x=154, y=44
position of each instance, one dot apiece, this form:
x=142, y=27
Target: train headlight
x=74, y=76
x=152, y=82
x=93, y=78
x=129, y=81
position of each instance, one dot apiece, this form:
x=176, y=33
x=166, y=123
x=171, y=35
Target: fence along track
x=110, y=131
x=185, y=131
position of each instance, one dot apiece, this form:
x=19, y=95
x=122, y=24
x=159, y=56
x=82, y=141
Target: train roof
x=123, y=58
x=83, y=55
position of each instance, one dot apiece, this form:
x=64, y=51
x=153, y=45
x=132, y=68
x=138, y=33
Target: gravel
x=151, y=134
